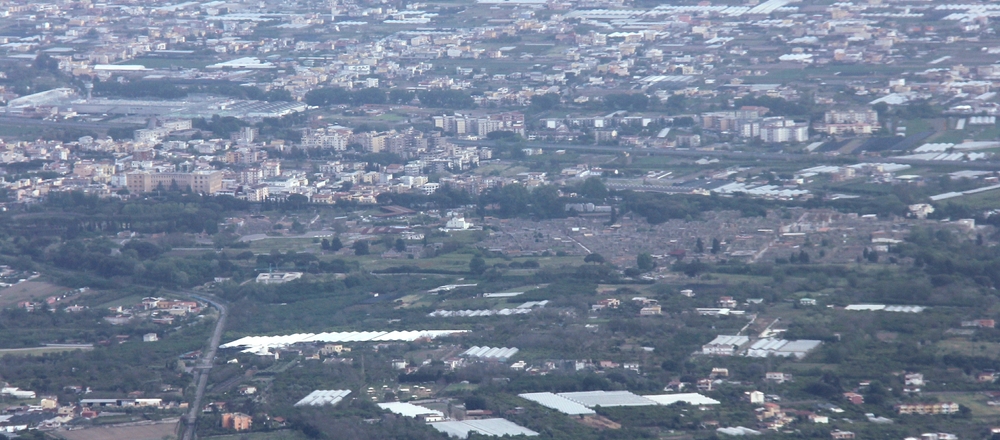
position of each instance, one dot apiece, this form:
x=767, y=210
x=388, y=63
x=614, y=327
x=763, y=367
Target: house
x=756, y=397
x=841, y=435
x=807, y=302
x=816, y=418
x=650, y=310
x=719, y=372
x=704, y=384
x=150, y=337
x=726, y=302
x=855, y=398
x=774, y=376
x=914, y=379
x=609, y=303
x=986, y=376
x=688, y=293
x=921, y=210
x=247, y=390
x=938, y=436
x=928, y=408
x=769, y=410
x=980, y=323
x=608, y=364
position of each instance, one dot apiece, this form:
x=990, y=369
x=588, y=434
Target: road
x=10, y=120
x=204, y=364
x=749, y=157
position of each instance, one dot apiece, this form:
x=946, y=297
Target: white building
x=783, y=130
x=458, y=223
x=278, y=277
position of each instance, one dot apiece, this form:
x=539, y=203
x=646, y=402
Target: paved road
x=204, y=364
x=750, y=157
x=63, y=124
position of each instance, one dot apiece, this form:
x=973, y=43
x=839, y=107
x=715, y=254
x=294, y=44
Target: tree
x=545, y=202
x=803, y=257
x=360, y=247
x=594, y=258
x=544, y=102
x=873, y=256
x=644, y=262
x=325, y=244
x=699, y=246
x=594, y=188
x=400, y=245
x=716, y=246
x=477, y=265
x=336, y=244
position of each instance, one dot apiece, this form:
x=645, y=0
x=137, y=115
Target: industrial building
x=724, y=345
x=781, y=347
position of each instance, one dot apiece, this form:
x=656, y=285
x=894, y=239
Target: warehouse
x=724, y=345
x=781, y=347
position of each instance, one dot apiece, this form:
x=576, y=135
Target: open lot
x=26, y=291
x=152, y=431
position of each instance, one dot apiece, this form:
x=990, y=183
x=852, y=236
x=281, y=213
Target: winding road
x=204, y=364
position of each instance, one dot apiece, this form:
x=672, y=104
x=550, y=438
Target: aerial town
x=562, y=219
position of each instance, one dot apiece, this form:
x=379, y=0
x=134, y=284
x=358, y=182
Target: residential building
x=778, y=377
x=204, y=182
x=928, y=408
x=858, y=121
x=855, y=398
x=237, y=421
x=780, y=130
x=841, y=435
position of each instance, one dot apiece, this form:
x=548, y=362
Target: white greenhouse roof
x=558, y=403
x=492, y=427
x=591, y=399
x=323, y=397
x=262, y=343
x=689, y=398
x=408, y=409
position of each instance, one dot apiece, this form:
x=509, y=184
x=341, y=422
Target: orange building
x=237, y=421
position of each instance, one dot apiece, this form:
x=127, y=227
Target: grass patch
x=970, y=348
x=273, y=435
x=38, y=351
x=124, y=302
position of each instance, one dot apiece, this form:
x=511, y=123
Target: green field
x=38, y=351
x=274, y=435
